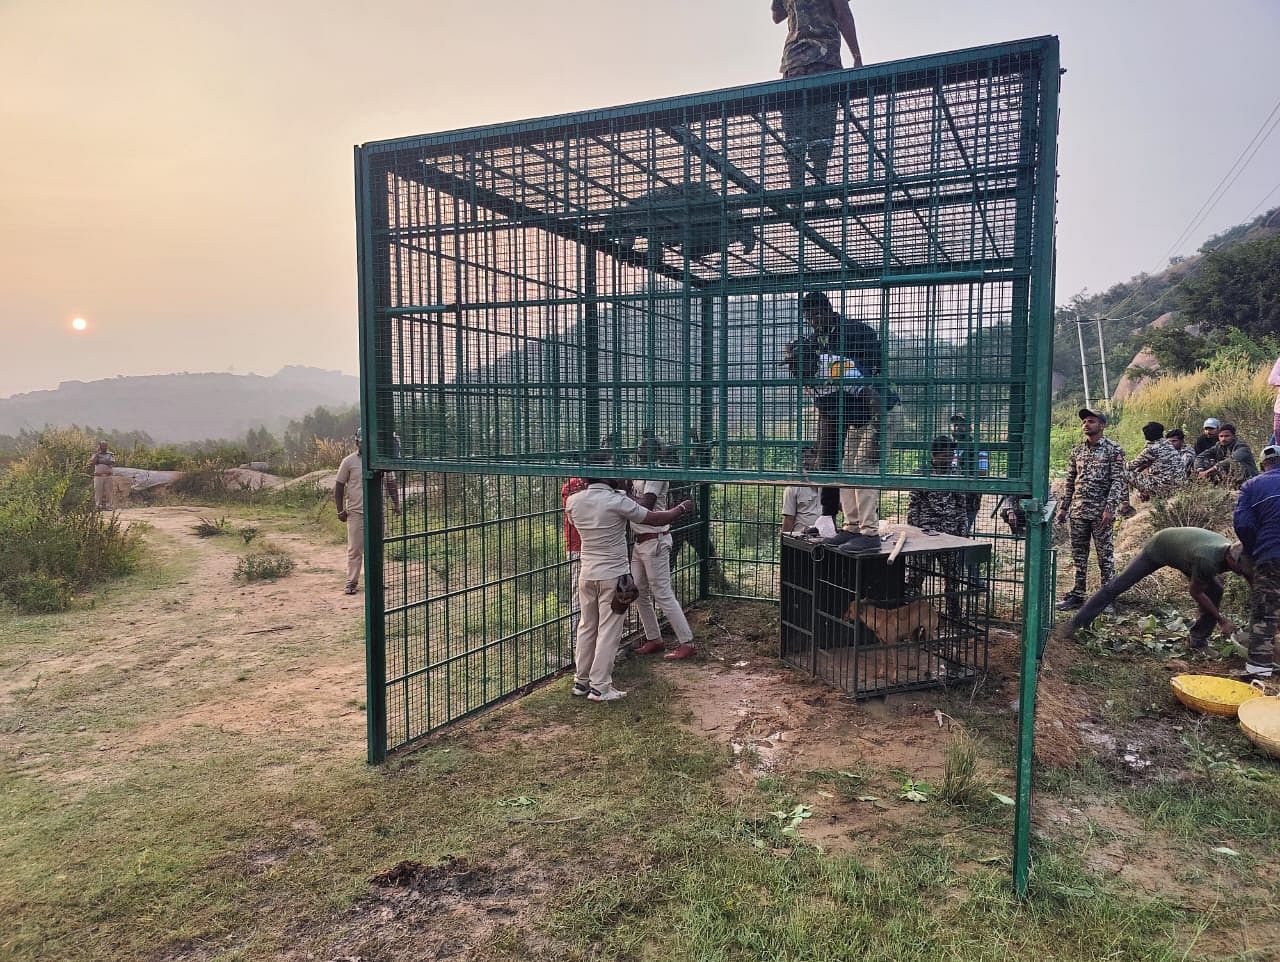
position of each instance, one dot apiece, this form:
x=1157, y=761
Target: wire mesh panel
x=872, y=627
x=534, y=291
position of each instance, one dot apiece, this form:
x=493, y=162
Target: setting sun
x=79, y=324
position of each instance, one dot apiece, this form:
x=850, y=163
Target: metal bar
x=375, y=625
x=1037, y=536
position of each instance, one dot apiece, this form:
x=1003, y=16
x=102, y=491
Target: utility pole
x=1096, y=322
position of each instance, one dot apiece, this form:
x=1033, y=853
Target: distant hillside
x=182, y=407
x=1132, y=305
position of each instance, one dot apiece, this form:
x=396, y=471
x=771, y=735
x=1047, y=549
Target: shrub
x=1196, y=505
x=52, y=538
x=204, y=528
x=960, y=783
x=264, y=565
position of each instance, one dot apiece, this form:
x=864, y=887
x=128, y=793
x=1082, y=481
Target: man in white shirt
x=348, y=496
x=651, y=569
x=802, y=504
x=600, y=514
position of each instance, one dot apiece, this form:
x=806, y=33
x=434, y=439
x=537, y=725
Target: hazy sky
x=180, y=173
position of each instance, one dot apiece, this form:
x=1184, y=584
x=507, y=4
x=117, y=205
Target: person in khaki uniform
x=651, y=569
x=348, y=496
x=103, y=463
x=600, y=514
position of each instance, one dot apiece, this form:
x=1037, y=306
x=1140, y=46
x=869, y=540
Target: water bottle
x=984, y=463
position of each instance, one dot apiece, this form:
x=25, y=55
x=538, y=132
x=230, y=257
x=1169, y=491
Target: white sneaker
x=609, y=694
x=579, y=689
x=1252, y=671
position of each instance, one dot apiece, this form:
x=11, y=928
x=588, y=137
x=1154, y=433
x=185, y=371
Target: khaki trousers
x=651, y=569
x=575, y=599
x=599, y=631
x=102, y=492
x=355, y=546
x=861, y=506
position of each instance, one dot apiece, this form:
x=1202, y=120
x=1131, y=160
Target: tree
x=1237, y=288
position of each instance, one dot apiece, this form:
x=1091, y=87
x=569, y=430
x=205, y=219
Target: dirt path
x=197, y=650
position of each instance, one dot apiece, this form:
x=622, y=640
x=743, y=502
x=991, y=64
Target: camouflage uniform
x=812, y=47
x=944, y=511
x=1095, y=485
x=1157, y=470
x=1186, y=457
x=1235, y=464
x=1264, y=613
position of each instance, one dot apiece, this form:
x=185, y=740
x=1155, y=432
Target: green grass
x=629, y=842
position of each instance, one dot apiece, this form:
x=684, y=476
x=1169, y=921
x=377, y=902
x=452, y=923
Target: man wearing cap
x=1208, y=436
x=600, y=513
x=1228, y=462
x=1199, y=554
x=1095, y=488
x=845, y=360
x=348, y=497
x=1177, y=439
x=1257, y=523
x=1157, y=470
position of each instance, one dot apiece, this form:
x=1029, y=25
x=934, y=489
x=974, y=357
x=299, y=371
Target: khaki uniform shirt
x=804, y=503
x=663, y=490
x=351, y=474
x=601, y=514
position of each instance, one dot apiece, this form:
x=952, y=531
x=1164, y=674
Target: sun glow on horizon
x=79, y=324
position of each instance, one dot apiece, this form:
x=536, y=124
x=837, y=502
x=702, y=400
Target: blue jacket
x=1257, y=517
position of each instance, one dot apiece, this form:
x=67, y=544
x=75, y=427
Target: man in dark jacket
x=1257, y=524
x=843, y=364
x=1228, y=462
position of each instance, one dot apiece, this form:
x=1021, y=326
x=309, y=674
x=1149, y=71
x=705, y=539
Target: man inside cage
x=1257, y=523
x=600, y=513
x=946, y=512
x=1157, y=471
x=802, y=503
x=348, y=497
x=651, y=562
x=814, y=29
x=1095, y=488
x=842, y=361
x=1202, y=555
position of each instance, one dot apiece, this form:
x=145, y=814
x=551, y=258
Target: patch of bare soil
x=455, y=909
x=206, y=652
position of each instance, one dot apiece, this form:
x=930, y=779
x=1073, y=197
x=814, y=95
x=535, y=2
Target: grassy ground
x=170, y=790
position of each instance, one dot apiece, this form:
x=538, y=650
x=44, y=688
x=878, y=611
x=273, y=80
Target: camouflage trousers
x=1264, y=613
x=1083, y=531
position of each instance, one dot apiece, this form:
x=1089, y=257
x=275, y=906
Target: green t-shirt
x=1195, y=552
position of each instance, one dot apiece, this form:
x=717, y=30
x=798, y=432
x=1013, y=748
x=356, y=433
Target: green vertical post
x=1041, y=344
x=591, y=352
x=375, y=652
x=706, y=404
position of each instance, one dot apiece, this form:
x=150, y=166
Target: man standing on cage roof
x=1095, y=488
x=814, y=29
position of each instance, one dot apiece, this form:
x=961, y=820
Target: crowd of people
x=1099, y=486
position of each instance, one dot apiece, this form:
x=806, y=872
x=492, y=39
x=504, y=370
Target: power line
x=1220, y=191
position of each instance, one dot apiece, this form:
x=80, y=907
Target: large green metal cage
x=533, y=292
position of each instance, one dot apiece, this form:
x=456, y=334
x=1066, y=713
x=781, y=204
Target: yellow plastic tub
x=1213, y=695
x=1260, y=720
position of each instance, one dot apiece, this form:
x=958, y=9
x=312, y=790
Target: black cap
x=958, y=417
x=1086, y=413
x=1153, y=430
